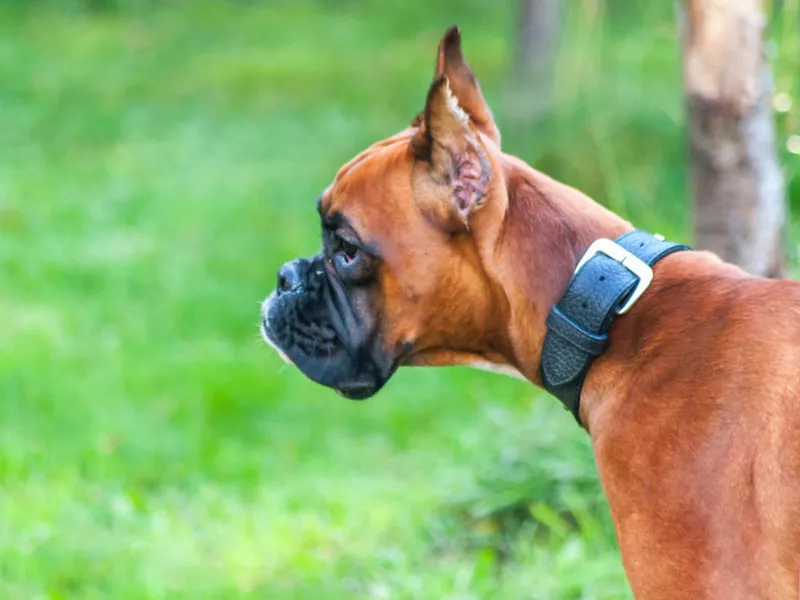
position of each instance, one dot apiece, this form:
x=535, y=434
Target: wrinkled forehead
x=373, y=190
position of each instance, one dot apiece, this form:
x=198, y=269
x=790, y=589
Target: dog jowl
x=317, y=319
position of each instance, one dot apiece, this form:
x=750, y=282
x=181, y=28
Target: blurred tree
x=539, y=28
x=737, y=183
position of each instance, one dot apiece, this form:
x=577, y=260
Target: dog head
x=407, y=227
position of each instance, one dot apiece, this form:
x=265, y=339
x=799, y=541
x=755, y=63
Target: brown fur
x=694, y=409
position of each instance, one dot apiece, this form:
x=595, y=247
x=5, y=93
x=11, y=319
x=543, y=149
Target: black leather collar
x=607, y=281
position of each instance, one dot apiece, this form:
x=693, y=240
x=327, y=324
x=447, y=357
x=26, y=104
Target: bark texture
x=539, y=30
x=737, y=183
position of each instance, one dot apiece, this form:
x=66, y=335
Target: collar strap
x=609, y=279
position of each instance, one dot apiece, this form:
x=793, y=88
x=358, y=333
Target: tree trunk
x=737, y=182
x=539, y=28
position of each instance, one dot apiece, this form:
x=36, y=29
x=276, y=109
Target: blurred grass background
x=158, y=162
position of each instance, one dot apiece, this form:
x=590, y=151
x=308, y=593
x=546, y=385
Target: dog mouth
x=351, y=383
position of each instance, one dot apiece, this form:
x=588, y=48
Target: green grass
x=156, y=167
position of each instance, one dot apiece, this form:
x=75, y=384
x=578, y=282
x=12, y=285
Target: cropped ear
x=450, y=63
x=456, y=160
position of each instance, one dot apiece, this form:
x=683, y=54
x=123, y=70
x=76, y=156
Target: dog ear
x=450, y=146
x=450, y=63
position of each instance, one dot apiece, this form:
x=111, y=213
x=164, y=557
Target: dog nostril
x=289, y=278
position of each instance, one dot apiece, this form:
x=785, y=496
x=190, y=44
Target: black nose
x=290, y=276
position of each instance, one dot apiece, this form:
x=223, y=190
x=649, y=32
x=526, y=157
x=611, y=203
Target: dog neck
x=546, y=229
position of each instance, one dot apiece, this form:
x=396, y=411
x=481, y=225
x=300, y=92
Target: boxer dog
x=440, y=249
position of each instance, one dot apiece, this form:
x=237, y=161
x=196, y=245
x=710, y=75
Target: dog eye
x=345, y=251
x=350, y=260
x=348, y=250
